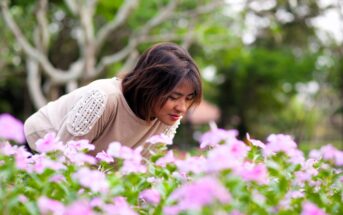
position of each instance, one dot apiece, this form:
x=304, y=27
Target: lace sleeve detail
x=171, y=131
x=86, y=112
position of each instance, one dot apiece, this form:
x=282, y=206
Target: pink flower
x=315, y=154
x=22, y=198
x=296, y=194
x=40, y=162
x=48, y=143
x=280, y=143
x=180, y=176
x=119, y=207
x=297, y=157
x=21, y=159
x=255, y=142
x=96, y=202
x=104, y=156
x=258, y=197
x=311, y=209
x=172, y=210
x=192, y=164
x=117, y=150
x=227, y=156
x=151, y=196
x=301, y=177
x=132, y=158
x=11, y=128
x=339, y=158
x=80, y=145
x=168, y=158
x=286, y=202
x=81, y=191
x=238, y=149
x=50, y=206
x=79, y=208
x=155, y=180
x=329, y=152
x=93, y=179
x=215, y=136
x=219, y=159
x=114, y=149
x=131, y=166
x=236, y=212
x=8, y=149
x=253, y=172
x=308, y=166
x=79, y=158
x=125, y=153
x=199, y=193
x=57, y=178
x=160, y=138
x=306, y=173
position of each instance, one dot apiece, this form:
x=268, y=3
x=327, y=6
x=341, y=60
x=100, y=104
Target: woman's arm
x=88, y=117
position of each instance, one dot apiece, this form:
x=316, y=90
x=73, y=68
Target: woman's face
x=177, y=104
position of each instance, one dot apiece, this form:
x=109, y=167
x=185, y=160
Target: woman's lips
x=174, y=117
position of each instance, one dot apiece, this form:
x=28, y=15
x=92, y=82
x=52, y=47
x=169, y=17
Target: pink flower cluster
x=253, y=172
x=104, y=156
x=119, y=206
x=160, y=138
x=195, y=195
x=306, y=173
x=168, y=158
x=280, y=143
x=49, y=143
x=11, y=128
x=200, y=178
x=230, y=154
x=152, y=196
x=30, y=163
x=329, y=153
x=311, y=209
x=93, y=179
x=132, y=158
x=215, y=136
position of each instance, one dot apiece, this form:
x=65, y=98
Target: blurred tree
x=276, y=49
x=13, y=93
x=76, y=41
x=257, y=84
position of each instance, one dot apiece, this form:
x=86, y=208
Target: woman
x=148, y=101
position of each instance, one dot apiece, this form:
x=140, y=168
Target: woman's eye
x=172, y=98
x=189, y=98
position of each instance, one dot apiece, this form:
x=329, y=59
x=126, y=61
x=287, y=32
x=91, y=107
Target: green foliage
x=108, y=8
x=252, y=85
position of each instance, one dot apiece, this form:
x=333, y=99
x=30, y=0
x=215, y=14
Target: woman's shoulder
x=108, y=86
x=98, y=100
x=101, y=94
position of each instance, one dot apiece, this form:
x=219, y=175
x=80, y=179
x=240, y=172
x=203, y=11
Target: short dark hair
x=158, y=71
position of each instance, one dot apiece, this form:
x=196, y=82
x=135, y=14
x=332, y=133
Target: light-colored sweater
x=97, y=112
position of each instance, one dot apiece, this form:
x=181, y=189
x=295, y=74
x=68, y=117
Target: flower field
x=228, y=176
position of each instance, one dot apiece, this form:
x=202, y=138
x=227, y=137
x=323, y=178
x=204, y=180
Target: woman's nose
x=181, y=106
